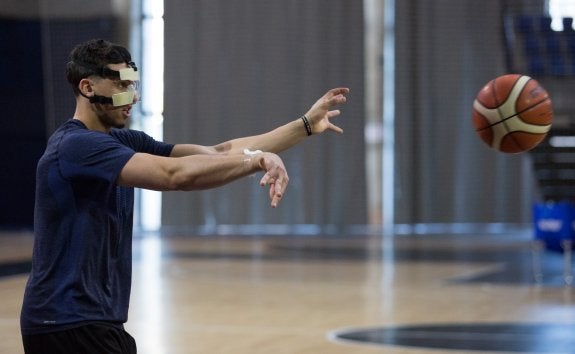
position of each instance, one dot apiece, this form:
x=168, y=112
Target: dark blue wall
x=32, y=51
x=22, y=136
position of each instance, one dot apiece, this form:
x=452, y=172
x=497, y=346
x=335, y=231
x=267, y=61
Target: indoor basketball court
x=352, y=294
x=441, y=221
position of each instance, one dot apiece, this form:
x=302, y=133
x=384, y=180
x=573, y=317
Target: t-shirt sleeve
x=93, y=156
x=142, y=142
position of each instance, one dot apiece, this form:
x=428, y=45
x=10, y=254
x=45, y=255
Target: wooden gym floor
x=330, y=295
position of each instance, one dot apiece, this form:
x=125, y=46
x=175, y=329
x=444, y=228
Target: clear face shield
x=123, y=98
x=128, y=96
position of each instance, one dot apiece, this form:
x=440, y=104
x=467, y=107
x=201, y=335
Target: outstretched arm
x=203, y=172
x=319, y=117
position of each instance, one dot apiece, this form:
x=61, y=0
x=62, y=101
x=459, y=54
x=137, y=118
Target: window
x=148, y=42
x=558, y=9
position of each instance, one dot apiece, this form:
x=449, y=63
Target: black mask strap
x=99, y=99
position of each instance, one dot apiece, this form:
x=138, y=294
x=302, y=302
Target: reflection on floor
x=518, y=265
x=485, y=337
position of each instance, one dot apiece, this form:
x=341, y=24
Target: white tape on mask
x=129, y=74
x=122, y=99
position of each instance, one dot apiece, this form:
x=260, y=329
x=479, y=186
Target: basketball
x=512, y=113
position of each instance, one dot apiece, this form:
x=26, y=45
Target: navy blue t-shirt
x=82, y=258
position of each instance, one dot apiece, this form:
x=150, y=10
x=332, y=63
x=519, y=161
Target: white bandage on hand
x=248, y=155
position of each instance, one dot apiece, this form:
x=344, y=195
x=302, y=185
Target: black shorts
x=93, y=338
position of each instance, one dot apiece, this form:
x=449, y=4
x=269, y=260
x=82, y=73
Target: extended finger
x=275, y=197
x=334, y=113
x=265, y=179
x=337, y=99
x=275, y=185
x=271, y=191
x=330, y=125
x=338, y=91
x=277, y=191
x=335, y=128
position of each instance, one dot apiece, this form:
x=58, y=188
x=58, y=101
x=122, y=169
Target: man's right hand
x=276, y=176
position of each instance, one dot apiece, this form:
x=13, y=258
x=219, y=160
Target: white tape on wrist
x=250, y=153
x=248, y=157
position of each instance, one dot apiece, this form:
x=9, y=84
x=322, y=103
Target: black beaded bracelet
x=306, y=125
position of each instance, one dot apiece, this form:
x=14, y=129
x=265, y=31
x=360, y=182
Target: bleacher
x=533, y=48
x=538, y=49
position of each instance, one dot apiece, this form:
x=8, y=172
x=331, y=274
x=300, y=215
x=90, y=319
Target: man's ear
x=85, y=87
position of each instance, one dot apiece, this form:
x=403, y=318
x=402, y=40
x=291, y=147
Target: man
x=77, y=295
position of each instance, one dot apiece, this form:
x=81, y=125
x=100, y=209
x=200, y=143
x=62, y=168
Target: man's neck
x=85, y=114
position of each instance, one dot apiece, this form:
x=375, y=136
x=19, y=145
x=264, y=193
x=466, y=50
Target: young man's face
x=110, y=115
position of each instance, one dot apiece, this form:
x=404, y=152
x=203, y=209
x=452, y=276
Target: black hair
x=91, y=57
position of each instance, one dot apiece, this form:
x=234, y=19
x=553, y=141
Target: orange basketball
x=512, y=113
